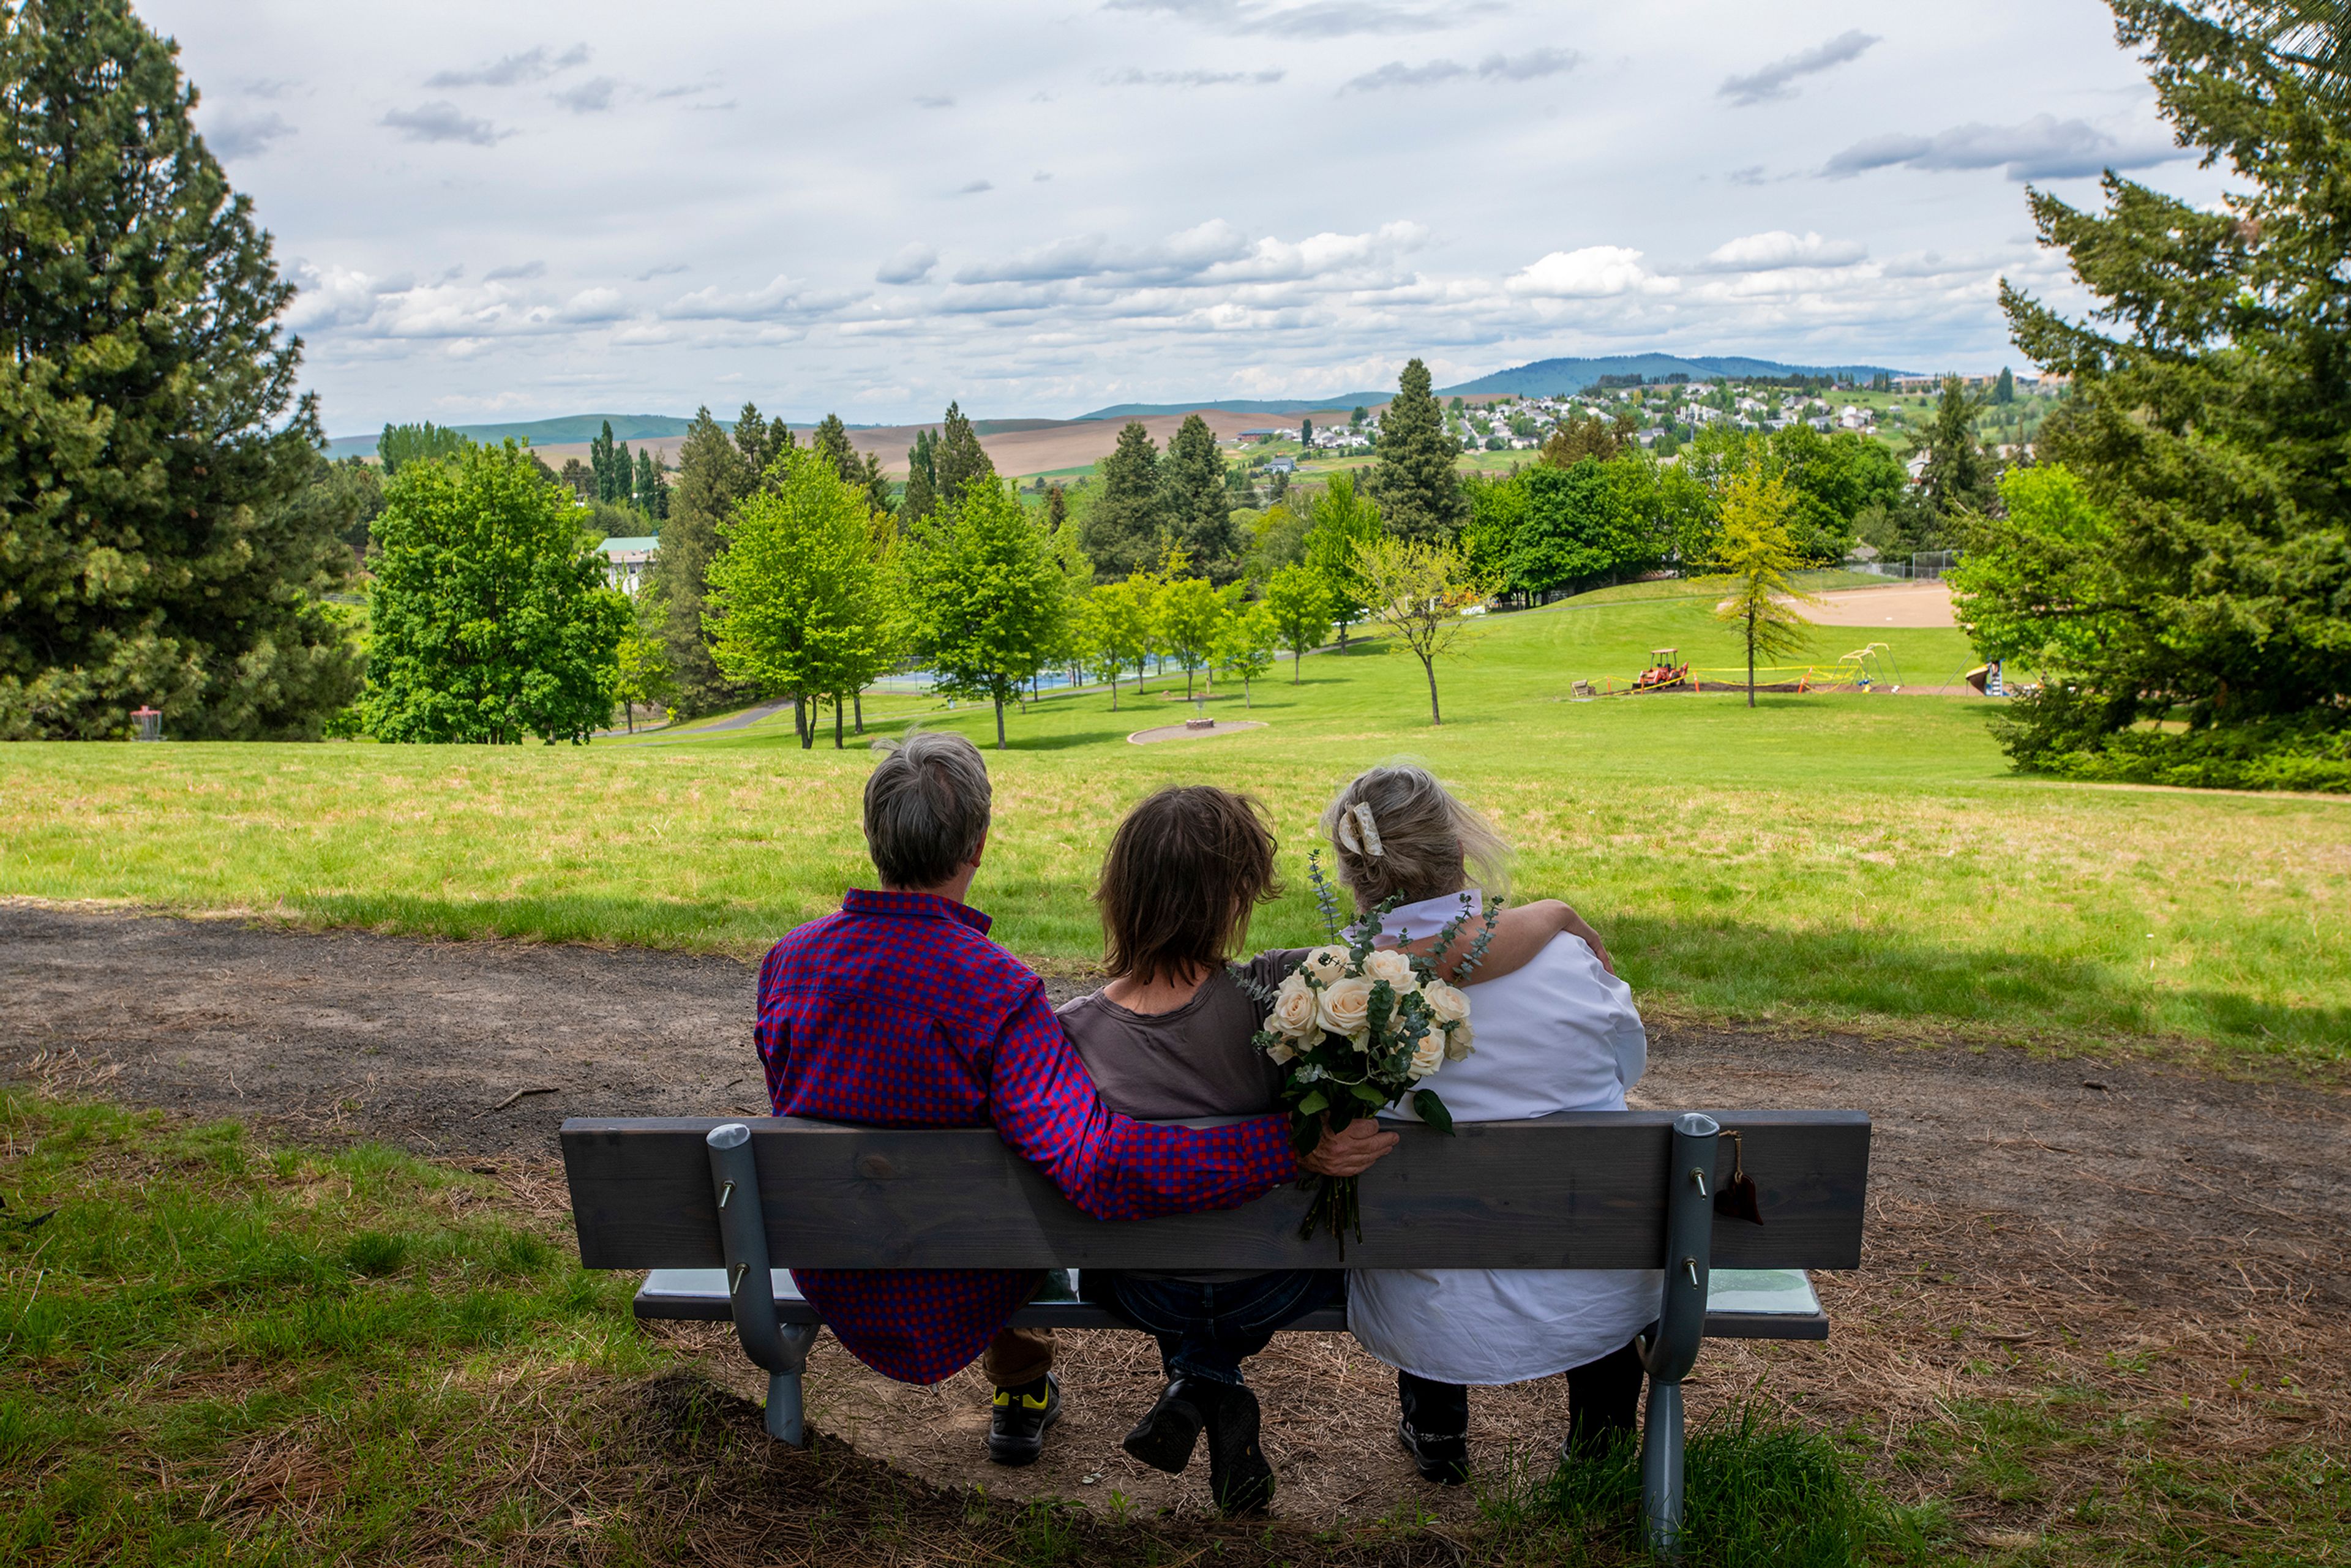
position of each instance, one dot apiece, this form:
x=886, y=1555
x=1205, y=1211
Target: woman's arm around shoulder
x=1521, y=933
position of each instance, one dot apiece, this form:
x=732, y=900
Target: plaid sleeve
x=1110, y=1166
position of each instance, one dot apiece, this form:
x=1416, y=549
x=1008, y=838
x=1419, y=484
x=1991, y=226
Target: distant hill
x=1242, y=406
x=1549, y=378
x=573, y=427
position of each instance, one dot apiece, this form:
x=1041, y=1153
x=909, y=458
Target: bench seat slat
x=1577, y=1191
x=1744, y=1304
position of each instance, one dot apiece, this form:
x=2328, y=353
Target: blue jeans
x=1206, y=1331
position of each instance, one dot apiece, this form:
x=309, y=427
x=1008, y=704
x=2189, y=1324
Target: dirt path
x=2171, y=1247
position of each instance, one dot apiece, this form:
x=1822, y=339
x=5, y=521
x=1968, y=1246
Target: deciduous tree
x=1191, y=613
x=1755, y=550
x=985, y=595
x=1344, y=519
x=490, y=619
x=425, y=443
x=1418, y=591
x=1245, y=645
x=1298, y=598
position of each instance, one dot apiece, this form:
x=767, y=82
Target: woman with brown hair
x=1168, y=1037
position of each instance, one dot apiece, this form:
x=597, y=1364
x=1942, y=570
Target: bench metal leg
x=782, y=1350
x=1681, y=1323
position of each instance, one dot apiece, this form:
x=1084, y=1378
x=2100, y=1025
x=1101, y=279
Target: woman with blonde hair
x=1169, y=1036
x=1560, y=1033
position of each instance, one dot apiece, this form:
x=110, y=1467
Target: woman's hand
x=1351, y=1151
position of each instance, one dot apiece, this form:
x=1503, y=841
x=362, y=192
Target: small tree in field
x=1418, y=591
x=644, y=673
x=1298, y=600
x=1191, y=614
x=1759, y=554
x=1117, y=628
x=1245, y=645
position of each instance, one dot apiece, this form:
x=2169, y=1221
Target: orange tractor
x=1665, y=672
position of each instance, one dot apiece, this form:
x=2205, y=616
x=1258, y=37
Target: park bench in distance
x=716, y=1209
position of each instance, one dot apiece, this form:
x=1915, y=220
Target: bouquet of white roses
x=1355, y=1027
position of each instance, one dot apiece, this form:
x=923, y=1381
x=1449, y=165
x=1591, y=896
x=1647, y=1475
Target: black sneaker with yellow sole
x=1015, y=1432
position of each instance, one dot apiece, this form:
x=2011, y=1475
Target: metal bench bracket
x=780, y=1348
x=1681, y=1323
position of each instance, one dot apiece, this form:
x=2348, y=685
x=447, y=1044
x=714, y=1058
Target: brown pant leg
x=1016, y=1357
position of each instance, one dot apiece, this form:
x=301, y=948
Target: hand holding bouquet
x=1355, y=1027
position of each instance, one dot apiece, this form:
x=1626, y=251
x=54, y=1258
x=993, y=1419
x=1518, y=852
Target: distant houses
x=627, y=560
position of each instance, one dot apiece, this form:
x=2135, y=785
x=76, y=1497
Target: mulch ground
x=2170, y=1243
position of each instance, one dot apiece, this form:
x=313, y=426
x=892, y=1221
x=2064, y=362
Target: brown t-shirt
x=1195, y=1061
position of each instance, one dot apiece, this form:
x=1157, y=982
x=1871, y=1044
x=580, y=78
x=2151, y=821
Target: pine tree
x=712, y=477
x=1758, y=554
x=1057, y=507
x=1960, y=476
x=1123, y=526
x=643, y=490
x=160, y=543
x=921, y=498
x=959, y=458
x=758, y=440
x=2004, y=390
x=832, y=444
x=490, y=619
x=1194, y=506
x=877, y=486
x=1418, y=491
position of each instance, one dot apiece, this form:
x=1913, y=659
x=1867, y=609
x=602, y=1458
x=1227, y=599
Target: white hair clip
x=1363, y=815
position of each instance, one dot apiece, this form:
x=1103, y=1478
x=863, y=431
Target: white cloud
x=1778, y=78
x=912, y=264
x=593, y=96
x=1778, y=248
x=2041, y=148
x=1528, y=66
x=1596, y=272
x=234, y=135
x=443, y=121
x=1315, y=19
x=1133, y=77
x=534, y=65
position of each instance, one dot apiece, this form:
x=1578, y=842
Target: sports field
x=1825, y=859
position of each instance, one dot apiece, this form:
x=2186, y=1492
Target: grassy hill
x=570, y=428
x=1551, y=378
x=1838, y=860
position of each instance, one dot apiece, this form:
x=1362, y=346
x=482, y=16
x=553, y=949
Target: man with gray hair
x=898, y=1010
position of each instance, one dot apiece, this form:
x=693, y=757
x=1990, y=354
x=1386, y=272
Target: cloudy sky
x=512, y=211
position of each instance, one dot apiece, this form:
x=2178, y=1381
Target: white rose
x=1446, y=1003
x=1393, y=965
x=1457, y=1042
x=1294, y=1009
x=1326, y=964
x=1344, y=1007
x=1427, y=1057
x=1280, y=1051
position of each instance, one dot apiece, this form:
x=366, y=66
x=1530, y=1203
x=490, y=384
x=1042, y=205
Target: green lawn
x=1821, y=858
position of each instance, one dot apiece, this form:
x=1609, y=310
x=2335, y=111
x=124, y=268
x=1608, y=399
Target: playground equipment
x=1869, y=668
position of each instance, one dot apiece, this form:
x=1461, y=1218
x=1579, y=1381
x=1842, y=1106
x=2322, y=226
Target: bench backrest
x=1576, y=1190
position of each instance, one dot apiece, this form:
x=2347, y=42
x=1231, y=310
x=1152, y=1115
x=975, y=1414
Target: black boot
x=1434, y=1427
x=1015, y=1432
x=1164, y=1437
x=1239, y=1478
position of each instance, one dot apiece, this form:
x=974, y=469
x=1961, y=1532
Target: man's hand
x=1351, y=1151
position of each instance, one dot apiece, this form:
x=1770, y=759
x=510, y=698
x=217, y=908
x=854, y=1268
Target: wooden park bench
x=718, y=1210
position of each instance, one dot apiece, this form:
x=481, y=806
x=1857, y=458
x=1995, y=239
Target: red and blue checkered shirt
x=900, y=1013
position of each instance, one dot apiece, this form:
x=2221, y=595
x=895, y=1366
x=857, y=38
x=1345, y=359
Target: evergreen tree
x=712, y=477
x=832, y=444
x=2208, y=539
x=2004, y=390
x=1123, y=525
x=578, y=478
x=1057, y=507
x=490, y=618
x=958, y=458
x=921, y=498
x=622, y=476
x=1960, y=474
x=877, y=486
x=165, y=537
x=644, y=487
x=985, y=595
x=1195, y=506
x=600, y=462
x=758, y=441
x=426, y=443
x=1419, y=493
